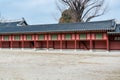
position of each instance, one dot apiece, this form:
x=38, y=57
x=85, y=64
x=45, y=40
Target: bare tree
x=82, y=10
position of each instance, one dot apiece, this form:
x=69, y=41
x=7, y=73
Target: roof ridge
x=12, y=21
x=73, y=23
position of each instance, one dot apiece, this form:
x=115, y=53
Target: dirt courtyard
x=48, y=66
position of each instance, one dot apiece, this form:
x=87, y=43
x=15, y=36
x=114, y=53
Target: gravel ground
x=20, y=65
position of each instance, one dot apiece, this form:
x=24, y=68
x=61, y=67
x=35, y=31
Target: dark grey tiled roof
x=88, y=26
x=116, y=31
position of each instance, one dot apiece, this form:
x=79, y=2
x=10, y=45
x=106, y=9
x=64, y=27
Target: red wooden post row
x=61, y=37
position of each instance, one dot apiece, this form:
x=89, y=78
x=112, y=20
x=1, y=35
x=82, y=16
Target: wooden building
x=87, y=36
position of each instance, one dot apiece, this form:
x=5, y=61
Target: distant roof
x=13, y=23
x=116, y=31
x=67, y=27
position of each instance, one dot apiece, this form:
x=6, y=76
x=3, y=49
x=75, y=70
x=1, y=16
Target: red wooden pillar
x=61, y=41
x=34, y=40
x=10, y=41
x=47, y=41
x=0, y=44
x=91, y=43
x=75, y=41
x=1, y=41
x=22, y=39
x=107, y=43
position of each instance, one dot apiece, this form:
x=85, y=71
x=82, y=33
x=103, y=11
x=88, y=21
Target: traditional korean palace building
x=103, y=35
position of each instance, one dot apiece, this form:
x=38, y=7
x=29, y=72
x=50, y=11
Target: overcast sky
x=45, y=11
